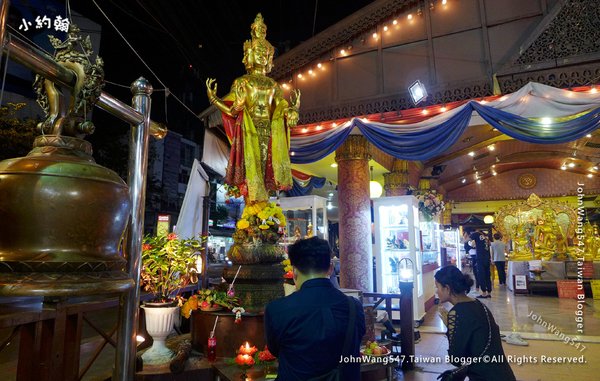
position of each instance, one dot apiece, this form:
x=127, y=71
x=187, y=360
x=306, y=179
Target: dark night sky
x=182, y=41
x=186, y=41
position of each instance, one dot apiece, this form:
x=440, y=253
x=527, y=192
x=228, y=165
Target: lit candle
x=244, y=360
x=247, y=349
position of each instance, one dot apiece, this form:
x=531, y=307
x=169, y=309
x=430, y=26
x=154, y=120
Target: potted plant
x=168, y=264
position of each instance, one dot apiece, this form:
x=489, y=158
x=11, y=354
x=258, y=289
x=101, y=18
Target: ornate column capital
x=396, y=182
x=355, y=147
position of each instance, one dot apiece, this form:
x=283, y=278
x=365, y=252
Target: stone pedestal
x=256, y=284
x=356, y=266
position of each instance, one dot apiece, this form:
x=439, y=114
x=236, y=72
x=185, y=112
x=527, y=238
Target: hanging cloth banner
x=304, y=184
x=529, y=114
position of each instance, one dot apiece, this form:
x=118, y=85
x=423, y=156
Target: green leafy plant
x=168, y=264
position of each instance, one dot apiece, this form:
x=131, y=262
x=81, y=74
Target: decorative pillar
x=447, y=214
x=424, y=185
x=396, y=182
x=356, y=257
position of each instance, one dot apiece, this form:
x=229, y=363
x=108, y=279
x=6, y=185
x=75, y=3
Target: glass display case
x=451, y=241
x=306, y=217
x=397, y=236
x=430, y=242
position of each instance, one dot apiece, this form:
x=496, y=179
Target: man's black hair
x=312, y=255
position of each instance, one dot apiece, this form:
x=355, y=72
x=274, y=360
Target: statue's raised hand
x=211, y=90
x=295, y=98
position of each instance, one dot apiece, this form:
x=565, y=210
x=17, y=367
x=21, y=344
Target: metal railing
x=138, y=117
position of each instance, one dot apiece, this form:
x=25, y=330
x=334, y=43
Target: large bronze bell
x=63, y=217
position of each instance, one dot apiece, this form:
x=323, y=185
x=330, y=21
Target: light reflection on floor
x=515, y=313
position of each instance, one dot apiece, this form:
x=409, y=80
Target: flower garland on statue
x=260, y=222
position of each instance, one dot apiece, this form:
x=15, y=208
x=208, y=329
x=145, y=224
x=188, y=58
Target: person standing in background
x=483, y=263
x=471, y=254
x=498, y=249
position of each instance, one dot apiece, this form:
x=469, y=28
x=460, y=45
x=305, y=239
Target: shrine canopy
x=536, y=113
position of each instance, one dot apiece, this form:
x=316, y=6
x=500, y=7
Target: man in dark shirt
x=306, y=330
x=483, y=263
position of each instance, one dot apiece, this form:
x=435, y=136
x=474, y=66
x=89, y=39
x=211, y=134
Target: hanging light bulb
x=375, y=189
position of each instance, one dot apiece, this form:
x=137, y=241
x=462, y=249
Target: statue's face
x=260, y=31
x=261, y=55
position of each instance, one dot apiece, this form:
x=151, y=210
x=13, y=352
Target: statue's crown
x=258, y=21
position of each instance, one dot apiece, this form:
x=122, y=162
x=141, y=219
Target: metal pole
x=407, y=325
x=136, y=178
x=4, y=5
x=205, y=218
x=43, y=64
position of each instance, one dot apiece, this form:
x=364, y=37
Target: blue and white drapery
x=525, y=115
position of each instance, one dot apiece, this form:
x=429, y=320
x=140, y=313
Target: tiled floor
x=533, y=318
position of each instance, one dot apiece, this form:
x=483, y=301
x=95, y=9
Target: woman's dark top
x=468, y=333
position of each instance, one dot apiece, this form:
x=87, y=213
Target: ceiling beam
x=464, y=151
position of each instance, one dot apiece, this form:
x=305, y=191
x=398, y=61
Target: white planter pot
x=159, y=323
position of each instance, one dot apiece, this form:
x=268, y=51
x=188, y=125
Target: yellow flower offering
x=243, y=224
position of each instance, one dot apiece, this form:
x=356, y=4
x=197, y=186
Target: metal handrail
x=141, y=127
x=41, y=63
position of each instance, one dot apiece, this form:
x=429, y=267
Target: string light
x=385, y=28
x=492, y=147
x=334, y=124
x=590, y=175
x=443, y=109
x=588, y=136
x=478, y=181
x=471, y=153
x=319, y=128
x=425, y=111
x=304, y=130
x=593, y=90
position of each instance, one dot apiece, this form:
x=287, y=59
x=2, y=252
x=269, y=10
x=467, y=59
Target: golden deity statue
x=590, y=243
x=521, y=244
x=597, y=239
x=549, y=238
x=257, y=120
